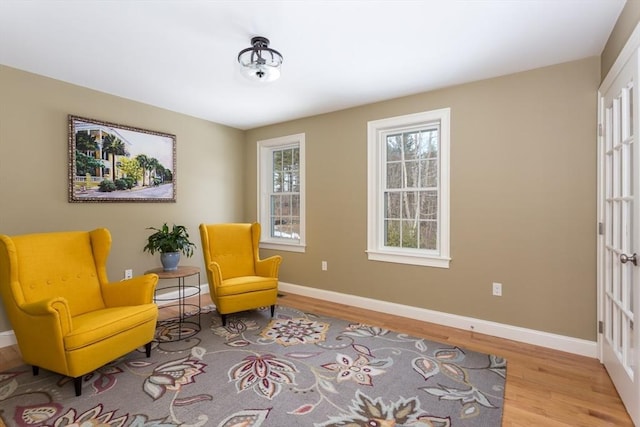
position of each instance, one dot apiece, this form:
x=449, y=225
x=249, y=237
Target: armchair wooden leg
x=224, y=319
x=77, y=384
x=35, y=370
x=147, y=349
x=273, y=310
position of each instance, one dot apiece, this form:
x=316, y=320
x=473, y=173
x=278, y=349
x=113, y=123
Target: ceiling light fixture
x=260, y=62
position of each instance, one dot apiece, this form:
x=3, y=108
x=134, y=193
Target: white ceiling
x=181, y=55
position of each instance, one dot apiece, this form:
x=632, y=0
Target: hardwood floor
x=544, y=387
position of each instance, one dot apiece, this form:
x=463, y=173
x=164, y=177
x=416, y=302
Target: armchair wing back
x=66, y=315
x=232, y=248
x=76, y=278
x=238, y=279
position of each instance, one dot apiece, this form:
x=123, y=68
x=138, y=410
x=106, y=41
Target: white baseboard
x=7, y=339
x=515, y=333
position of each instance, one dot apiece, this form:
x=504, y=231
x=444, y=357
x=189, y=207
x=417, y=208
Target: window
x=281, y=193
x=408, y=198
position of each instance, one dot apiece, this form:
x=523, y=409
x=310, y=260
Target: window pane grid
x=411, y=189
x=285, y=195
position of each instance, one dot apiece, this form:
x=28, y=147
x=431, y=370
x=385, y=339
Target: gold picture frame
x=109, y=162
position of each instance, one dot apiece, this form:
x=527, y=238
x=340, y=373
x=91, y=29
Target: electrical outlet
x=128, y=273
x=497, y=289
x=324, y=265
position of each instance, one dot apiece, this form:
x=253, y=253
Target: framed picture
x=116, y=163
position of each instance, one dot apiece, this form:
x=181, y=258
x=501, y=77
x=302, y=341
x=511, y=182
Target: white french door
x=619, y=232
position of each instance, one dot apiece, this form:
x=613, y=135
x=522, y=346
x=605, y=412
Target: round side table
x=184, y=324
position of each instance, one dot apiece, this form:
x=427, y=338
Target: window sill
x=423, y=261
x=283, y=247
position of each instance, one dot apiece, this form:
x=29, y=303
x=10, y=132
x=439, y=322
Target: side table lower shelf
x=186, y=322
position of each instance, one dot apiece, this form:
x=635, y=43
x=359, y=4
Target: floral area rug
x=295, y=369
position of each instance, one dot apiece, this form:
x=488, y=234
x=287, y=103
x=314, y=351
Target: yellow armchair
x=66, y=315
x=238, y=279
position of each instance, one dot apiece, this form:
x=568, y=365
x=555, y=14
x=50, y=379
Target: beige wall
x=523, y=193
x=624, y=27
x=33, y=169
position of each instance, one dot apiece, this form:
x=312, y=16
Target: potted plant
x=170, y=242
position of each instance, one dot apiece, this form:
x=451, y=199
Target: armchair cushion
x=90, y=328
x=242, y=285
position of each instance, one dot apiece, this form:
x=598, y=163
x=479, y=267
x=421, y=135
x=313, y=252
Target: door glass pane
x=631, y=124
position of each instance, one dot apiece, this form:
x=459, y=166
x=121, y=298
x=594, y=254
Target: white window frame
x=265, y=182
x=376, y=250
